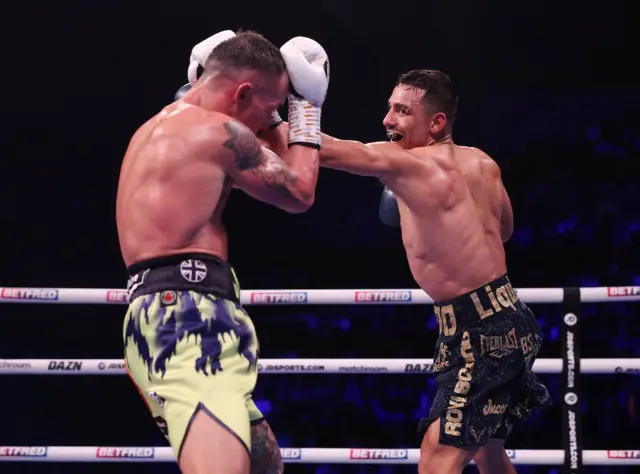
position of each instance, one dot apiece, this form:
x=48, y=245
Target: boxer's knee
x=437, y=458
x=265, y=452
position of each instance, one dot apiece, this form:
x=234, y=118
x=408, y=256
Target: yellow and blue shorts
x=190, y=346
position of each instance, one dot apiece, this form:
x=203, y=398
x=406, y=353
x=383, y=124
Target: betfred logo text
x=378, y=454
x=23, y=451
x=125, y=452
x=279, y=297
x=635, y=454
x=29, y=294
x=290, y=453
x=374, y=296
x=623, y=290
x=117, y=296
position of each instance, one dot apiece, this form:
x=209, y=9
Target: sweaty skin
x=178, y=172
x=454, y=211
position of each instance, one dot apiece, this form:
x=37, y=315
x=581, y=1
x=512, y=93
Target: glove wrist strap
x=304, y=123
x=275, y=119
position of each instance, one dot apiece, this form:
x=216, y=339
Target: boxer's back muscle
x=450, y=212
x=171, y=193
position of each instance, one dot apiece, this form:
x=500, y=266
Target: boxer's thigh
x=439, y=458
x=265, y=452
x=212, y=448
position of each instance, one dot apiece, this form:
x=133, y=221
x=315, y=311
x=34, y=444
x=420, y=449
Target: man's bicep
x=380, y=159
x=255, y=169
x=393, y=160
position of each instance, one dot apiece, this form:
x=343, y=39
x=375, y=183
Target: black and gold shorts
x=488, y=341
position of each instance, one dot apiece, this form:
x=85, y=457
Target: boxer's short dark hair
x=246, y=50
x=438, y=90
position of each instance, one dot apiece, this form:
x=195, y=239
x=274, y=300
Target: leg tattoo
x=265, y=452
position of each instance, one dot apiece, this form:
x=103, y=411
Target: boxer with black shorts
x=455, y=215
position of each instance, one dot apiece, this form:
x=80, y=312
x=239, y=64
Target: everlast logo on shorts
x=504, y=297
x=491, y=409
x=459, y=400
x=499, y=346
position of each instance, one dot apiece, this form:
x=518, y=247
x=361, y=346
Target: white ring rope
x=548, y=457
x=303, y=366
x=315, y=297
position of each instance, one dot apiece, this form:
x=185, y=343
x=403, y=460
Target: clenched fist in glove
x=201, y=51
x=308, y=67
x=182, y=91
x=388, y=208
x=198, y=58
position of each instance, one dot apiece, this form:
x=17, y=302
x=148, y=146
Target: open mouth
x=394, y=136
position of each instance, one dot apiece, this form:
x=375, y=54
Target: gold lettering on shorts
x=436, y=310
x=492, y=298
x=441, y=361
x=512, y=293
x=446, y=320
x=483, y=313
x=492, y=409
x=526, y=343
x=504, y=298
x=454, y=415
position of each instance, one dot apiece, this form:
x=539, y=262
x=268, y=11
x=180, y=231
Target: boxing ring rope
x=572, y=457
x=303, y=366
x=547, y=457
x=314, y=297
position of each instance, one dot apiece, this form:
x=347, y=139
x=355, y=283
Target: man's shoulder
x=478, y=155
x=194, y=115
x=472, y=150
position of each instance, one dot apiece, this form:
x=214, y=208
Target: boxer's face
x=254, y=102
x=408, y=121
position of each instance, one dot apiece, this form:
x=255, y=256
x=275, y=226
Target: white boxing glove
x=308, y=67
x=202, y=50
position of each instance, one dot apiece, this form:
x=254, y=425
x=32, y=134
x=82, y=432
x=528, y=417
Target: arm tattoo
x=277, y=176
x=249, y=156
x=265, y=452
x=245, y=146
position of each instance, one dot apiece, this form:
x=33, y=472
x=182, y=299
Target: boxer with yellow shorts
x=190, y=348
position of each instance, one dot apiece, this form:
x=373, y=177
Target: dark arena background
x=548, y=89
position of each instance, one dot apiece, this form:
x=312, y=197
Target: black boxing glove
x=182, y=91
x=388, y=209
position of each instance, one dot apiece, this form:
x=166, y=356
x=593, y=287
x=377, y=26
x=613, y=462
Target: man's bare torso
x=450, y=214
x=171, y=193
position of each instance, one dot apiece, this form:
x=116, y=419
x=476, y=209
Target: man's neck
x=210, y=96
x=445, y=139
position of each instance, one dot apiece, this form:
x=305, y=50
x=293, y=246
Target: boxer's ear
x=243, y=93
x=438, y=122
